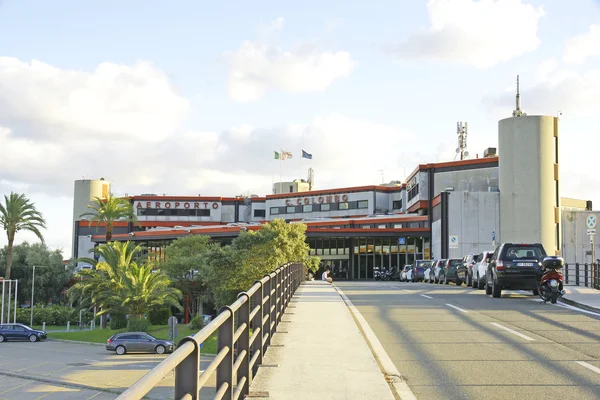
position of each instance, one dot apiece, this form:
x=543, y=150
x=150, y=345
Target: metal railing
x=239, y=353
x=577, y=274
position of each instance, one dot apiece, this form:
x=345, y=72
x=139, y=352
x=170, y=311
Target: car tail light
x=109, y=341
x=500, y=265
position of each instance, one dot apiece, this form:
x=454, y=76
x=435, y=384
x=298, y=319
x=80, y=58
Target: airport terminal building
x=443, y=210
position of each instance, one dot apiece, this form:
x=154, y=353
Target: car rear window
x=455, y=262
x=524, y=251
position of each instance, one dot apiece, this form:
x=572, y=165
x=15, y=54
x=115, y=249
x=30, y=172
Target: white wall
x=436, y=239
x=315, y=199
x=472, y=217
x=576, y=246
x=84, y=245
x=384, y=202
x=475, y=180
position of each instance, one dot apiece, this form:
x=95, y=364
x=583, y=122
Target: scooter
x=550, y=287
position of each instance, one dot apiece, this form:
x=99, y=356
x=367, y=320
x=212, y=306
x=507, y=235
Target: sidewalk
x=319, y=353
x=584, y=297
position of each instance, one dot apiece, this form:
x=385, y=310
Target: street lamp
x=33, y=290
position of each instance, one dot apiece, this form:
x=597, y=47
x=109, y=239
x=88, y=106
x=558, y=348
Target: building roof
x=453, y=164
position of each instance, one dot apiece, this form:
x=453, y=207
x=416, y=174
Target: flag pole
x=273, y=177
x=280, y=159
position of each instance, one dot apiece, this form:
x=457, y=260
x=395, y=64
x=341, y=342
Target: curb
x=75, y=341
x=58, y=382
x=579, y=305
x=398, y=385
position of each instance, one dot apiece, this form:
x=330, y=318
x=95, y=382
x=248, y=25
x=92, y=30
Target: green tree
x=109, y=211
x=50, y=281
x=119, y=284
x=18, y=213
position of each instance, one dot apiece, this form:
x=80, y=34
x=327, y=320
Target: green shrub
x=196, y=323
x=135, y=324
x=117, y=321
x=52, y=315
x=159, y=317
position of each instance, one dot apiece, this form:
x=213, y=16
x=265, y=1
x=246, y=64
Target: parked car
x=403, y=273
x=138, y=342
x=464, y=272
x=419, y=268
x=20, y=332
x=480, y=269
x=447, y=272
x=516, y=267
x=439, y=265
x=428, y=274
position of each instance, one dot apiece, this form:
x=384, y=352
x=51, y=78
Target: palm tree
x=108, y=211
x=120, y=284
x=18, y=213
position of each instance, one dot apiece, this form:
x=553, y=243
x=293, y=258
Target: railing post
x=225, y=368
x=186, y=373
x=585, y=277
x=273, y=310
x=267, y=312
x=243, y=343
x=257, y=345
x=279, y=312
x=566, y=274
x=576, y=274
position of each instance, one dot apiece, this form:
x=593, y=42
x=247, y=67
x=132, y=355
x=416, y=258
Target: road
x=54, y=370
x=452, y=342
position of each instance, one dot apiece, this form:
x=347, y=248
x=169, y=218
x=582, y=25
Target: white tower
x=85, y=192
x=461, y=131
x=528, y=178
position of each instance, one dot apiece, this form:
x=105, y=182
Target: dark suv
x=514, y=267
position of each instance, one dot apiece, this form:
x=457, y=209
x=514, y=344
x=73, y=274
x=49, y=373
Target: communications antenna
x=461, y=131
x=517, y=112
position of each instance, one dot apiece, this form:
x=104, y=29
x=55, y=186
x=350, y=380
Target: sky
x=188, y=97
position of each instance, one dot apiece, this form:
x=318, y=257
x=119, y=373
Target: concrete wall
x=436, y=241
x=474, y=180
x=85, y=190
x=383, y=202
x=576, y=246
x=529, y=202
x=480, y=213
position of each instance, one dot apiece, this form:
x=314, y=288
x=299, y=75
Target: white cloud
x=480, y=33
x=257, y=67
x=114, y=102
x=581, y=47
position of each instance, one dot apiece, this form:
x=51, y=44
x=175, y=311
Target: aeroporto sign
x=318, y=200
x=185, y=205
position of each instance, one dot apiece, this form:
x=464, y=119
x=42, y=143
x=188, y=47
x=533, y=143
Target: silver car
x=138, y=342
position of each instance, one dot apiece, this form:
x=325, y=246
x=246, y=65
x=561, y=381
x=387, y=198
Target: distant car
x=464, y=272
x=447, y=272
x=20, y=332
x=419, y=267
x=138, y=342
x=404, y=272
x=515, y=267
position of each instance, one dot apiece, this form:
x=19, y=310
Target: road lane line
x=568, y=307
x=429, y=297
x=519, y=334
x=391, y=373
x=589, y=366
x=457, y=308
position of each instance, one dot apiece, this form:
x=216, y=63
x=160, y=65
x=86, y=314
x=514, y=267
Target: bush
x=159, y=317
x=52, y=315
x=196, y=323
x=136, y=324
x=117, y=321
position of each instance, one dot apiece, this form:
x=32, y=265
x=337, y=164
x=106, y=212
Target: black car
x=20, y=332
x=464, y=272
x=515, y=267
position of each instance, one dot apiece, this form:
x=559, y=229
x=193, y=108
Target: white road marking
x=589, y=366
x=568, y=307
x=429, y=297
x=457, y=308
x=519, y=334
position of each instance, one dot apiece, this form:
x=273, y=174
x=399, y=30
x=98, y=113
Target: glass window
x=260, y=213
x=307, y=208
x=381, y=226
x=397, y=205
x=325, y=207
x=363, y=204
x=274, y=210
x=398, y=226
x=342, y=206
x=291, y=210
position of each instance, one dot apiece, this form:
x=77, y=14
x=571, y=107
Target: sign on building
x=453, y=242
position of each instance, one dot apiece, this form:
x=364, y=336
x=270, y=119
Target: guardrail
x=576, y=274
x=239, y=354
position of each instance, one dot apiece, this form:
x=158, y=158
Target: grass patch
x=158, y=331
x=54, y=327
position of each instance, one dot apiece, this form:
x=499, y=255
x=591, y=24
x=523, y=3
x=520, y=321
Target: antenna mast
x=517, y=112
x=461, y=131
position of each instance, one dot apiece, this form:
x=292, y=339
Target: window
x=363, y=204
x=260, y=213
x=290, y=209
x=325, y=207
x=413, y=192
x=307, y=208
x=291, y=189
x=381, y=226
x=342, y=206
x=398, y=226
x=274, y=210
x=397, y=205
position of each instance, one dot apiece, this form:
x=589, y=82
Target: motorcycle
x=550, y=287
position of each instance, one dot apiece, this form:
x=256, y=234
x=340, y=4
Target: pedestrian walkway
x=319, y=353
x=583, y=297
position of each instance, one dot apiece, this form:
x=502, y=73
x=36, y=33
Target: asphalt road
x=452, y=342
x=53, y=370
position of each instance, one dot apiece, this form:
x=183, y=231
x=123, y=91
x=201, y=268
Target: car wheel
x=160, y=349
x=469, y=282
x=536, y=292
x=496, y=289
x=458, y=282
x=2, y=339
x=488, y=287
x=120, y=350
x=33, y=338
x=475, y=282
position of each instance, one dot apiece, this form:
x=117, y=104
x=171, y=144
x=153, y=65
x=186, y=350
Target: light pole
x=33, y=290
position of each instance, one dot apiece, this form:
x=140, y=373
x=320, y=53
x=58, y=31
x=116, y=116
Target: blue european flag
x=306, y=155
